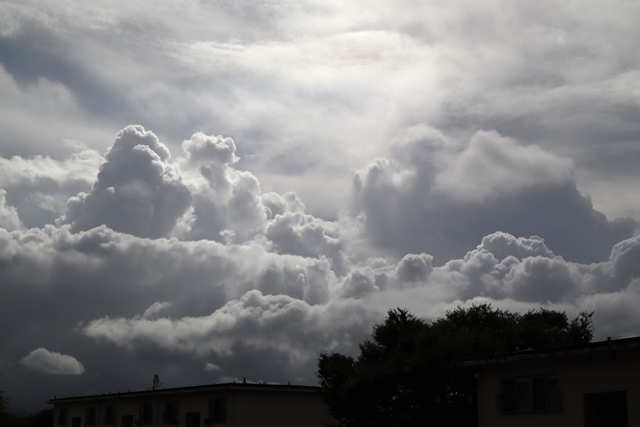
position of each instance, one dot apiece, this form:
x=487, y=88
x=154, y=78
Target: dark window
x=218, y=410
x=91, y=416
x=110, y=415
x=146, y=413
x=170, y=414
x=529, y=394
x=606, y=409
x=61, y=419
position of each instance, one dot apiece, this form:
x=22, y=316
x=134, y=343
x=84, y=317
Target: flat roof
x=609, y=344
x=191, y=389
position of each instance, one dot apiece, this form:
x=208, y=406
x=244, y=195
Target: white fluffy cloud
x=53, y=363
x=137, y=190
x=227, y=203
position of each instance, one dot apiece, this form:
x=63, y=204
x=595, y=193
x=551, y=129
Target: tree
x=42, y=418
x=8, y=418
x=408, y=372
x=4, y=407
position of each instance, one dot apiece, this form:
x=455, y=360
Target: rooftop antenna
x=156, y=381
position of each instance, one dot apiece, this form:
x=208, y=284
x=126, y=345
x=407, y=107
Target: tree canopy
x=43, y=418
x=408, y=372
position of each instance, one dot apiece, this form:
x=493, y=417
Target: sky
x=212, y=191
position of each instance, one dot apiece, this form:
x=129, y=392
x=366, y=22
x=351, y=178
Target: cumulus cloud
x=211, y=367
x=284, y=324
x=359, y=283
x=220, y=271
x=53, y=363
x=299, y=234
x=502, y=245
x=429, y=197
x=521, y=274
x=483, y=176
x=137, y=191
x=9, y=219
x=492, y=165
x=414, y=268
x=38, y=187
x=227, y=203
x=230, y=292
x=155, y=310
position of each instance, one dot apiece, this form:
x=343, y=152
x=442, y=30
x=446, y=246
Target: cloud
x=430, y=197
x=494, y=165
x=494, y=144
x=293, y=284
x=512, y=273
x=299, y=234
x=137, y=191
x=414, y=268
x=211, y=367
x=227, y=203
x=155, y=310
x=52, y=363
x=261, y=322
x=361, y=282
x=9, y=219
x=38, y=187
x=502, y=245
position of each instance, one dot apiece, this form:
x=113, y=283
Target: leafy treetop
x=407, y=373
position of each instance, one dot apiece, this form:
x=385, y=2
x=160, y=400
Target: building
x=591, y=385
x=231, y=404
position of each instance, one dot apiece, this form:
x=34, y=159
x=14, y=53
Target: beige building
x=591, y=385
x=223, y=405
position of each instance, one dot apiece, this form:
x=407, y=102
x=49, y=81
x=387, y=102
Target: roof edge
x=189, y=389
x=609, y=344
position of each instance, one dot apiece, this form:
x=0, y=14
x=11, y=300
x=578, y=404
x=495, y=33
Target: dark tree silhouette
x=408, y=373
x=42, y=418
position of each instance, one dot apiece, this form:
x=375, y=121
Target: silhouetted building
x=214, y=405
x=591, y=385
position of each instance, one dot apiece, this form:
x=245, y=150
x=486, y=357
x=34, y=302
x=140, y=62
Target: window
x=61, y=419
x=91, y=416
x=218, y=410
x=529, y=394
x=170, y=414
x=110, y=416
x=146, y=413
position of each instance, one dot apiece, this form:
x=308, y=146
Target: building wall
x=245, y=406
x=283, y=409
x=588, y=372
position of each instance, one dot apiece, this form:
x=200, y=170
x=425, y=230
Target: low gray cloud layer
x=296, y=169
